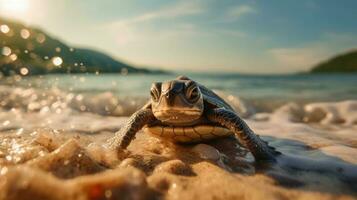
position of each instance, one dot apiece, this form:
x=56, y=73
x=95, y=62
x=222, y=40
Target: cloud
x=230, y=33
x=297, y=59
x=302, y=58
x=237, y=12
x=182, y=8
x=140, y=28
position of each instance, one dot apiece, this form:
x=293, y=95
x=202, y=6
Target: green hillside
x=343, y=63
x=35, y=52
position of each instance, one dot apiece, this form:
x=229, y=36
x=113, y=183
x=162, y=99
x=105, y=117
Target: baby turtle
x=184, y=111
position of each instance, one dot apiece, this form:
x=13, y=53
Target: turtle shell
x=213, y=99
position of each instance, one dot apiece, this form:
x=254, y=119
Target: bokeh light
x=6, y=51
x=24, y=71
x=13, y=57
x=57, y=61
x=40, y=38
x=25, y=33
x=4, y=28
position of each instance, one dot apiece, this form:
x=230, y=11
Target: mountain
x=344, y=63
x=28, y=50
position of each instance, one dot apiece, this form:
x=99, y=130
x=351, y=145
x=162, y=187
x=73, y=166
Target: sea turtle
x=184, y=111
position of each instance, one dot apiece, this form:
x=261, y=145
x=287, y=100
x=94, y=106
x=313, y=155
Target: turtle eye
x=155, y=91
x=192, y=92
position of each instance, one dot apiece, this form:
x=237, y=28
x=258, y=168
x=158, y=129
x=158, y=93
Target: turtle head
x=177, y=102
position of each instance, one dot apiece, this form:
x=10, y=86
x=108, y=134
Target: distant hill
x=28, y=50
x=343, y=63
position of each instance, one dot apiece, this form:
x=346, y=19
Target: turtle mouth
x=178, y=111
x=177, y=116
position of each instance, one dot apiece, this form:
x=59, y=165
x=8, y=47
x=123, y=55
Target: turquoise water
x=268, y=89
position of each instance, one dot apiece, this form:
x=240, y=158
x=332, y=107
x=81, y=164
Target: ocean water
x=274, y=87
x=265, y=92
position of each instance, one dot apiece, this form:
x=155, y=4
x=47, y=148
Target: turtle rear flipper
x=258, y=147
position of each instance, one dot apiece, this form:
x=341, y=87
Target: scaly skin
x=259, y=148
x=127, y=133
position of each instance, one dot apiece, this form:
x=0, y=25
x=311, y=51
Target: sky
x=260, y=37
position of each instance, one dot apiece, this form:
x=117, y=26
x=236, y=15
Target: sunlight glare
x=14, y=6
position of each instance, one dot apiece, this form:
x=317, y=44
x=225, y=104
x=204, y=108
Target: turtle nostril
x=168, y=98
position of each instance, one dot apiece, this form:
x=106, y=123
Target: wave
x=109, y=104
x=56, y=100
x=324, y=113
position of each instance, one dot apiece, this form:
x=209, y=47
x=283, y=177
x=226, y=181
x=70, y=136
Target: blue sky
x=278, y=36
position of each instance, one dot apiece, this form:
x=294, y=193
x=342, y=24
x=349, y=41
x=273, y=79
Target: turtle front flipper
x=126, y=134
x=258, y=147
